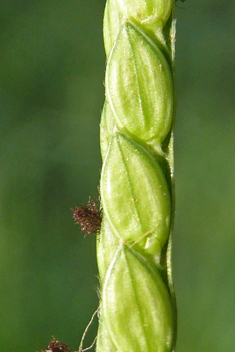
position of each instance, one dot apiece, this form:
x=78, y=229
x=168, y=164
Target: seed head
x=88, y=217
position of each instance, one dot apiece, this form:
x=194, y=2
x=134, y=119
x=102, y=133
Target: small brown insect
x=57, y=346
x=88, y=217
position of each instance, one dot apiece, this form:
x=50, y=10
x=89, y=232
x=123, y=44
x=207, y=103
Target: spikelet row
x=137, y=312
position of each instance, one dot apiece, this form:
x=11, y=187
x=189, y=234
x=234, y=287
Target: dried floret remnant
x=57, y=346
x=88, y=217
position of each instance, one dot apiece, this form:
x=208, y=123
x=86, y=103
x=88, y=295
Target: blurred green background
x=51, y=74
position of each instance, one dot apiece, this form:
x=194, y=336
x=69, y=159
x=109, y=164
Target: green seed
x=136, y=296
x=134, y=187
x=150, y=15
x=139, y=88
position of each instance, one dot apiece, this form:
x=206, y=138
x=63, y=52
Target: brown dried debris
x=88, y=217
x=57, y=346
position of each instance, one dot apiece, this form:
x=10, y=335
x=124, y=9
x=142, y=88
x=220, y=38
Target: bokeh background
x=51, y=95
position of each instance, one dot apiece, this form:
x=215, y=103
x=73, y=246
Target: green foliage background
x=51, y=74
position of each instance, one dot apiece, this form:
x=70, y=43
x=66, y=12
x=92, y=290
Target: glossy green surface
x=136, y=296
x=139, y=87
x=150, y=15
x=134, y=187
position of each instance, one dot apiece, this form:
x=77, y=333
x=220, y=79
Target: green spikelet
x=137, y=310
